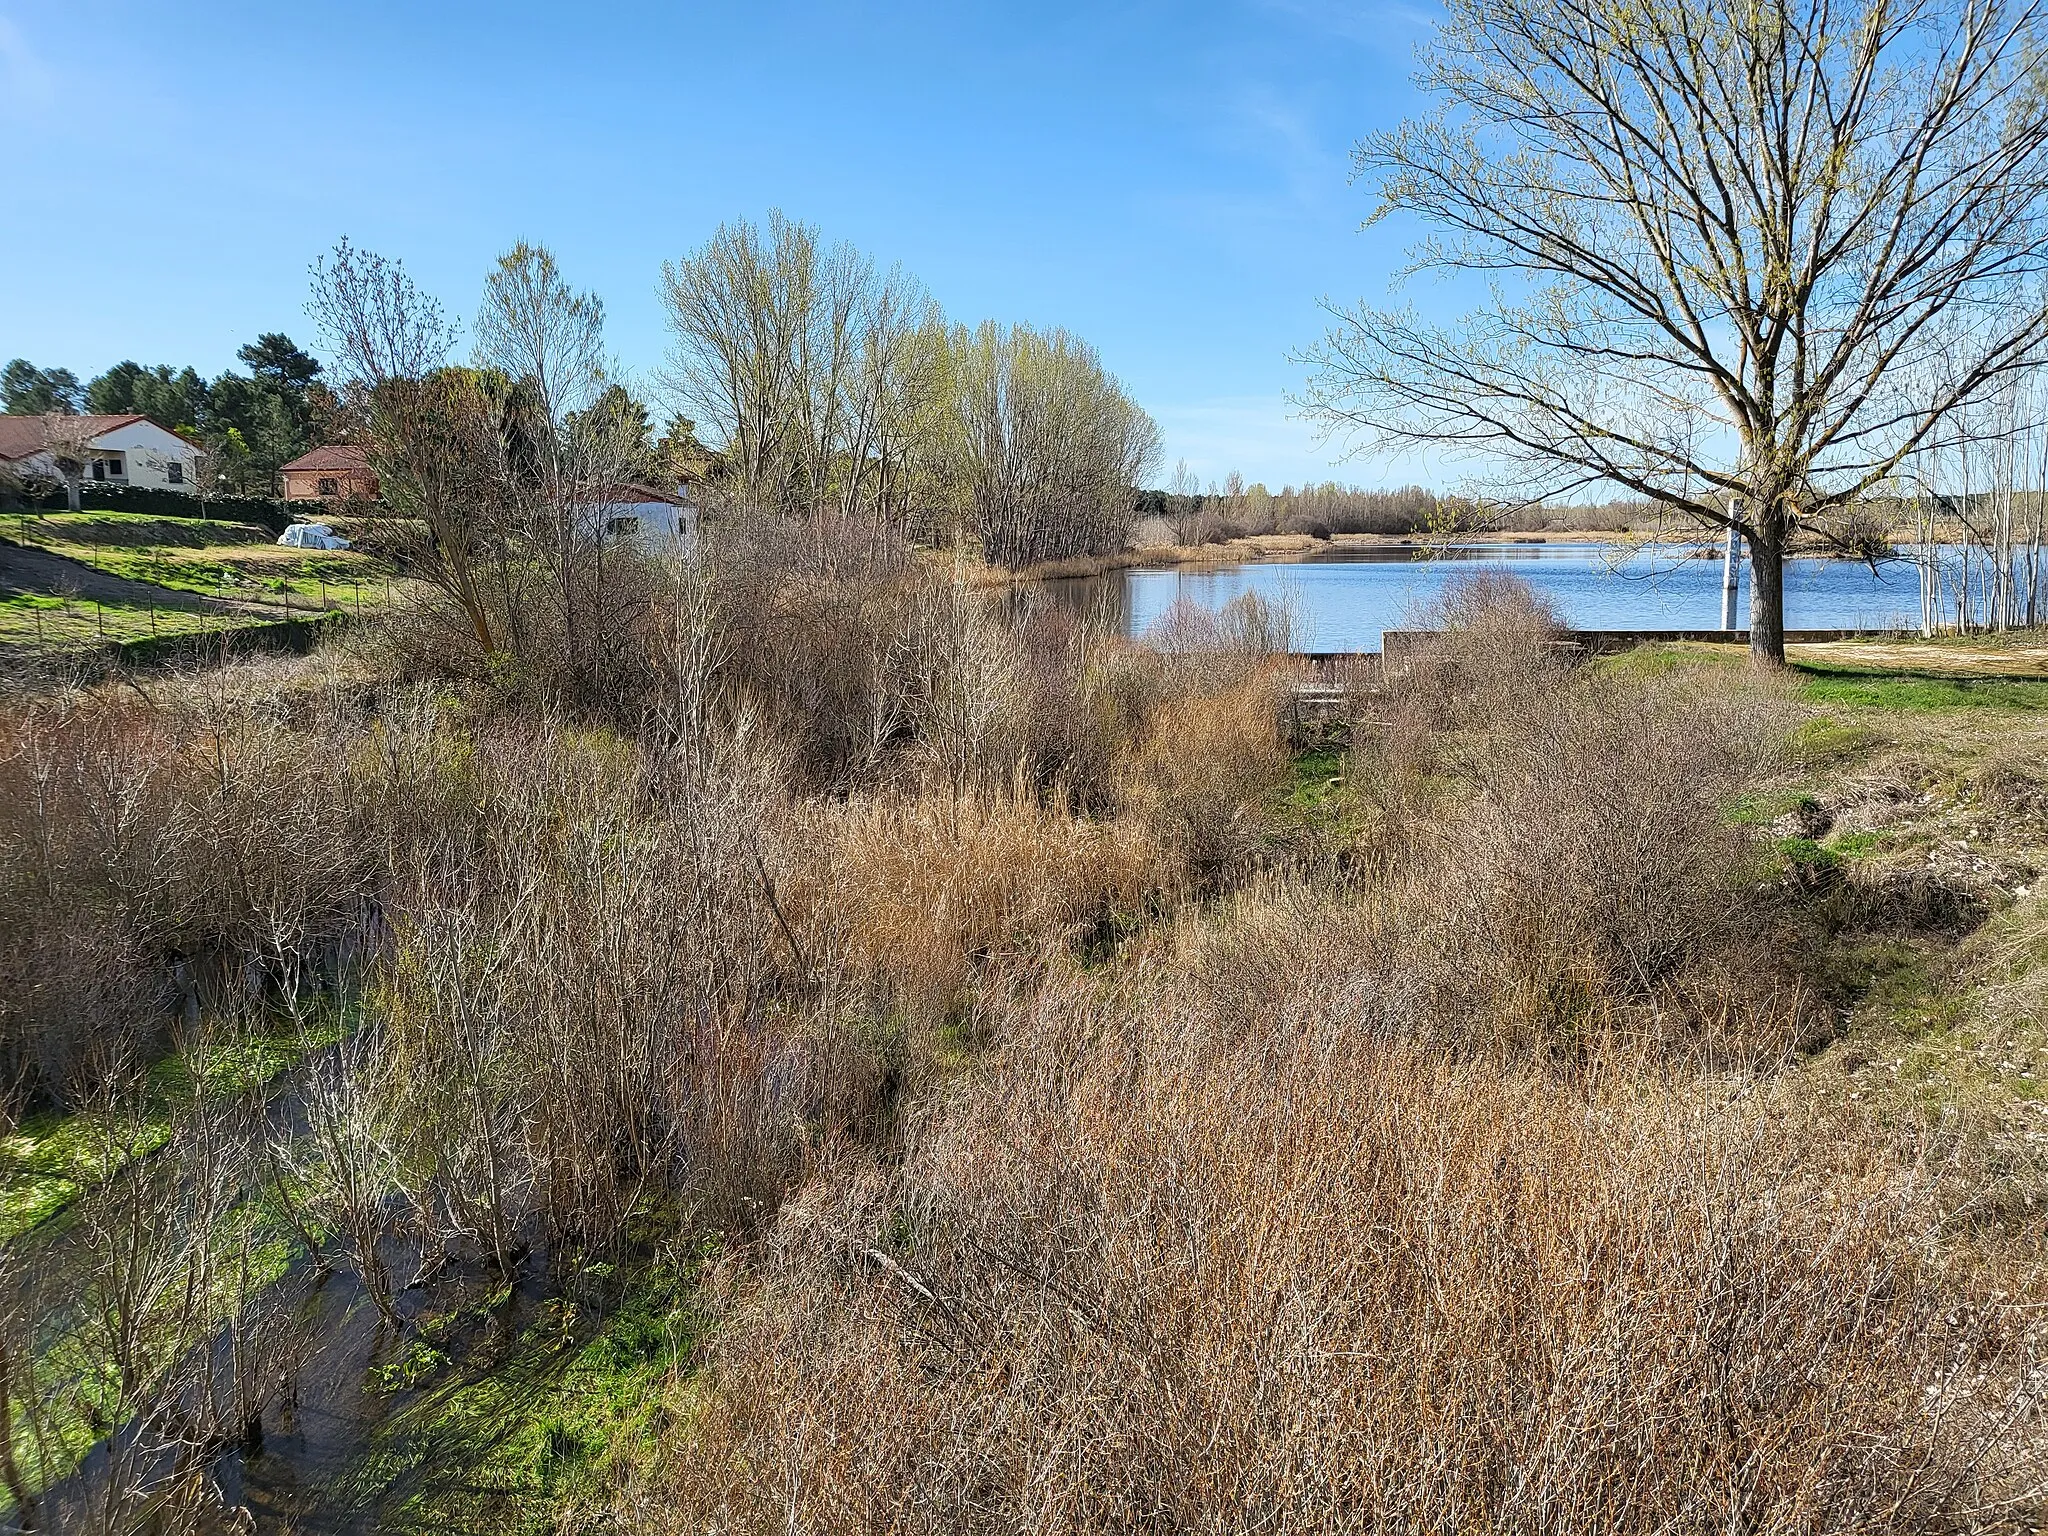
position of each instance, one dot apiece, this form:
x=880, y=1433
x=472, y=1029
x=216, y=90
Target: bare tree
x=1053, y=448
x=67, y=440
x=1743, y=258
x=560, y=462
x=824, y=376
x=738, y=308
x=427, y=427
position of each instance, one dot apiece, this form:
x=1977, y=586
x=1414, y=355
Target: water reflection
x=1345, y=596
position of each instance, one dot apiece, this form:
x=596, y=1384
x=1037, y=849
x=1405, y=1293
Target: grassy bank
x=94, y=577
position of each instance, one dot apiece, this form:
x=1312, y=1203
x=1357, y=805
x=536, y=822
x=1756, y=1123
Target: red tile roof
x=335, y=456
x=626, y=494
x=21, y=436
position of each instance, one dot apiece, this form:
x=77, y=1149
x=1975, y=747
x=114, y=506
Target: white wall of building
x=657, y=526
x=147, y=453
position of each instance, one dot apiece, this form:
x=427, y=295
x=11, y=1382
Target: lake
x=1345, y=597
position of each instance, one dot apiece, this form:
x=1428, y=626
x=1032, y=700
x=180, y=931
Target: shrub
x=1159, y=1276
x=267, y=511
x=1593, y=860
x=913, y=896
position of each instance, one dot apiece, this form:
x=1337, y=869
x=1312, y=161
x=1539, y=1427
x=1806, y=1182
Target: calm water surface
x=1345, y=598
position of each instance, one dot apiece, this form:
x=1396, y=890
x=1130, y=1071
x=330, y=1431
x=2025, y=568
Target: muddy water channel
x=305, y=1410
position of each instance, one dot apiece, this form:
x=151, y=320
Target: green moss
x=420, y=1363
x=50, y=1157
x=1805, y=855
x=1824, y=739
x=503, y=1443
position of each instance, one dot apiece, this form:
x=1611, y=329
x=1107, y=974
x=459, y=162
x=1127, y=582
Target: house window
x=329, y=486
x=625, y=525
x=174, y=472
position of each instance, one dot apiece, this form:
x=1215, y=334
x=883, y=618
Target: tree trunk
x=1767, y=597
x=71, y=491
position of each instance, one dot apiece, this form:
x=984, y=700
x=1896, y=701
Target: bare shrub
x=868, y=668
x=1248, y=628
x=807, y=625
x=154, y=859
x=1490, y=649
x=1153, y=1276
x=1596, y=859
x=1201, y=770
x=913, y=896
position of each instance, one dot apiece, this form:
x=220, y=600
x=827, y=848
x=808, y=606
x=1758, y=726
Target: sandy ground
x=1968, y=656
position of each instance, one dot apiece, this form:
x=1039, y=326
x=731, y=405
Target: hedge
x=98, y=496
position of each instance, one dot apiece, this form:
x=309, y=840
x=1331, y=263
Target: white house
x=658, y=521
x=115, y=450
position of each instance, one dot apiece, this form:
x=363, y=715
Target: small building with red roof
x=336, y=472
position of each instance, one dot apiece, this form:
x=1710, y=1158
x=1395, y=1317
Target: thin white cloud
x=1313, y=170
x=1297, y=173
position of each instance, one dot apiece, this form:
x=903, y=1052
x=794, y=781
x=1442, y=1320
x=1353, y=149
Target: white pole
x=1731, y=580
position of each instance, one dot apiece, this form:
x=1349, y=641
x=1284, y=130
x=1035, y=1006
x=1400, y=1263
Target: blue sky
x=1169, y=180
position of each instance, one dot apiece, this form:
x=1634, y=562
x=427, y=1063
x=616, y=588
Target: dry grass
x=1462, y=1190
x=912, y=897
x=1091, y=1155
x=1201, y=769
x=1157, y=1274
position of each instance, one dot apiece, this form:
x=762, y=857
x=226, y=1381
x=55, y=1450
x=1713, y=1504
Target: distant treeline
x=1237, y=510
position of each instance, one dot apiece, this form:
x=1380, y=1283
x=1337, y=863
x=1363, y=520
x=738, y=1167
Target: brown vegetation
x=1100, y=1128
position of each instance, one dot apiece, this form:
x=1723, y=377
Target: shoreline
x=1285, y=548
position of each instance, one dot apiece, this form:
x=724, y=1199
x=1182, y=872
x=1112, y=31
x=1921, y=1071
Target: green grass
x=38, y=619
x=211, y=559
x=504, y=1441
x=1824, y=739
x=1315, y=799
x=1759, y=808
x=1315, y=778
x=1913, y=692
x=104, y=529
x=1665, y=658
x=51, y=1157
